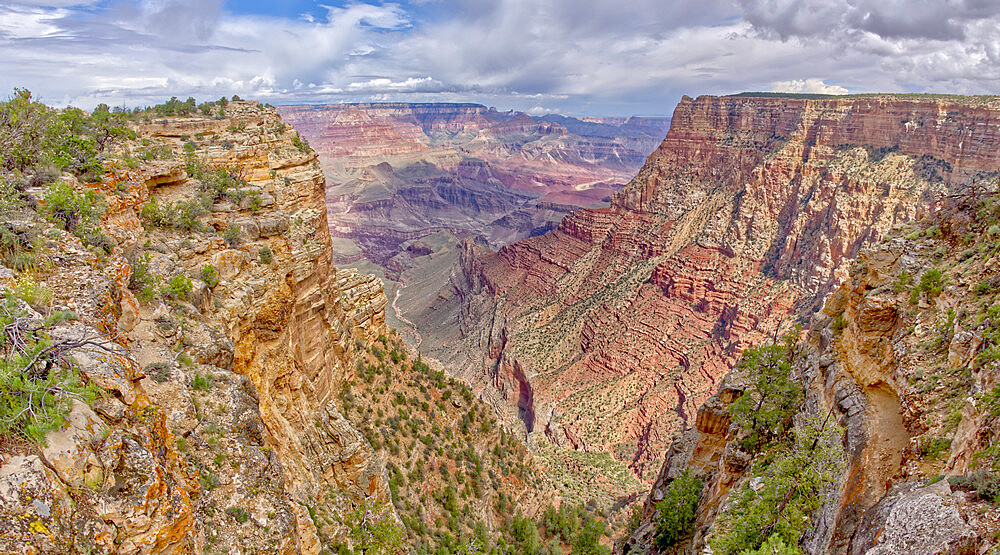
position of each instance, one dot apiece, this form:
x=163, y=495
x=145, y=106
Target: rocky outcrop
x=898, y=357
x=625, y=319
x=218, y=426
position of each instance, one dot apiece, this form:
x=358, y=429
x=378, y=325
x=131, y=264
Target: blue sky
x=569, y=56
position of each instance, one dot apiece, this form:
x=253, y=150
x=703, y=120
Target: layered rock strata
x=400, y=172
x=217, y=427
x=609, y=332
x=901, y=355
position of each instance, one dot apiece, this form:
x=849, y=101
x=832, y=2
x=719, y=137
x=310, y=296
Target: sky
x=575, y=57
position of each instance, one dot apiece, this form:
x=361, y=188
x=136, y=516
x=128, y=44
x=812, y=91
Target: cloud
x=888, y=19
x=572, y=56
x=813, y=86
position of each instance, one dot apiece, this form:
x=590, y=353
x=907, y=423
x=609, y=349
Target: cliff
x=399, y=172
x=902, y=355
x=609, y=332
x=216, y=425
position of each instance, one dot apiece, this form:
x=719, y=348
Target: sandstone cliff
x=608, y=333
x=217, y=426
x=903, y=356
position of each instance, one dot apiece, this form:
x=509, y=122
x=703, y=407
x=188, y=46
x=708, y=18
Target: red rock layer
x=624, y=319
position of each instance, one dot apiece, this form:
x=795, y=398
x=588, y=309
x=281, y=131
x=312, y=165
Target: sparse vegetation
x=787, y=486
x=179, y=287
x=764, y=411
x=210, y=275
x=38, y=381
x=675, y=513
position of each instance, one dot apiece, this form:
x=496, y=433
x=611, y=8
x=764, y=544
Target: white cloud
x=814, y=86
x=597, y=56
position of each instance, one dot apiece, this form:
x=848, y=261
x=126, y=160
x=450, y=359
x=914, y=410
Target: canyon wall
x=903, y=357
x=609, y=332
x=217, y=426
x=399, y=172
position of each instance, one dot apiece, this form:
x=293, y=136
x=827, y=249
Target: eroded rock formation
x=399, y=172
x=622, y=322
x=218, y=426
x=901, y=357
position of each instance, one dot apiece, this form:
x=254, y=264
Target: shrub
x=301, y=144
x=675, y=513
x=141, y=278
x=764, y=411
x=37, y=383
x=793, y=485
x=210, y=275
x=839, y=323
x=187, y=213
x=990, y=402
x=179, y=287
x=373, y=529
x=903, y=281
x=933, y=448
x=202, y=382
x=985, y=484
x=931, y=282
x=158, y=371
x=587, y=542
x=232, y=235
x=265, y=255
x=239, y=513
x=71, y=210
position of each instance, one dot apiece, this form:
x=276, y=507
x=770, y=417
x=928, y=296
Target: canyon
x=570, y=344
x=902, y=356
x=232, y=405
x=408, y=182
x=607, y=333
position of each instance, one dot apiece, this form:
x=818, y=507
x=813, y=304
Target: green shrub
x=839, y=323
x=933, y=448
x=372, y=528
x=210, y=275
x=265, y=255
x=301, y=144
x=179, y=287
x=208, y=480
x=239, y=513
x=158, y=371
x=985, y=484
x=232, y=235
x=37, y=384
x=675, y=513
x=903, y=281
x=989, y=402
x=72, y=210
x=147, y=294
x=931, y=282
x=141, y=277
x=587, y=542
x=202, y=382
x=187, y=213
x=155, y=215
x=793, y=485
x=764, y=411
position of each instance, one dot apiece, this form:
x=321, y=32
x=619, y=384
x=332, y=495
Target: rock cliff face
x=903, y=356
x=399, y=172
x=219, y=429
x=609, y=332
